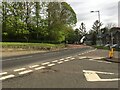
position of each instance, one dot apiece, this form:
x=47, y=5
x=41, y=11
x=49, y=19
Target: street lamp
x=99, y=23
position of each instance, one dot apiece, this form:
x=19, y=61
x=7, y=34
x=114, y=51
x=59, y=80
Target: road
x=63, y=69
x=18, y=61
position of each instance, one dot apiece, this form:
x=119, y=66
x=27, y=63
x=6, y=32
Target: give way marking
x=93, y=76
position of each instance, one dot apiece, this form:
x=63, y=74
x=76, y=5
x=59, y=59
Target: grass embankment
x=105, y=48
x=34, y=46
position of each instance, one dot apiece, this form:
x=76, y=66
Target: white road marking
x=66, y=60
x=20, y=69
x=68, y=57
x=55, y=61
x=45, y=63
x=93, y=76
x=25, y=72
x=3, y=73
x=99, y=61
x=60, y=62
x=34, y=66
x=6, y=77
x=72, y=58
x=62, y=59
x=89, y=71
x=87, y=52
x=82, y=57
x=17, y=58
x=51, y=64
x=38, y=68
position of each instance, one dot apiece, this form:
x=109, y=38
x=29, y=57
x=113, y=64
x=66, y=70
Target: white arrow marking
x=93, y=76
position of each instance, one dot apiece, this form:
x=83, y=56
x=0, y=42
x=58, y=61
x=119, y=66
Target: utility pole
x=100, y=33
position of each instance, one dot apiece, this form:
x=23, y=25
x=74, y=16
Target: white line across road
x=25, y=72
x=6, y=77
x=3, y=73
x=20, y=69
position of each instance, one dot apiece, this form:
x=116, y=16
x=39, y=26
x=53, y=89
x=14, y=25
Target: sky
x=108, y=11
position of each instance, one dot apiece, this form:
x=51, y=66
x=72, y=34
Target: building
x=111, y=37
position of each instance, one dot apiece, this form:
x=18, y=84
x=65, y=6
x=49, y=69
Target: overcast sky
x=108, y=11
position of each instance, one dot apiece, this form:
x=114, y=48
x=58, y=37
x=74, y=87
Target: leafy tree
x=37, y=21
x=96, y=26
x=59, y=14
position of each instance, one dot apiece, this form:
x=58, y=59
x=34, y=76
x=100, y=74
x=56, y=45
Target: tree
x=59, y=15
x=37, y=21
x=96, y=26
x=95, y=31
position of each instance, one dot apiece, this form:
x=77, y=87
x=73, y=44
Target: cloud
x=108, y=11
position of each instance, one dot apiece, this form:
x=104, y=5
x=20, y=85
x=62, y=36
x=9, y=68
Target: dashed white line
x=25, y=72
x=62, y=59
x=72, y=58
x=82, y=57
x=20, y=69
x=45, y=63
x=51, y=64
x=3, y=73
x=68, y=57
x=66, y=60
x=6, y=77
x=55, y=61
x=60, y=62
x=34, y=66
x=38, y=68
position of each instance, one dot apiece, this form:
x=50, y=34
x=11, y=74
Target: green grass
x=31, y=45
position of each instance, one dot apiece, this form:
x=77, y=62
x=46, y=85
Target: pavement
x=105, y=55
x=78, y=68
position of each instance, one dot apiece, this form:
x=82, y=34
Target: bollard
x=111, y=52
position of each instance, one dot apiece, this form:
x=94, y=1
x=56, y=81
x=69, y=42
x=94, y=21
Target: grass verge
x=35, y=46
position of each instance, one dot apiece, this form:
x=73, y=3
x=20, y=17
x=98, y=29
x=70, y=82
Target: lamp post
x=99, y=23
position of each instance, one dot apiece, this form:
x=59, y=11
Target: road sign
x=92, y=76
